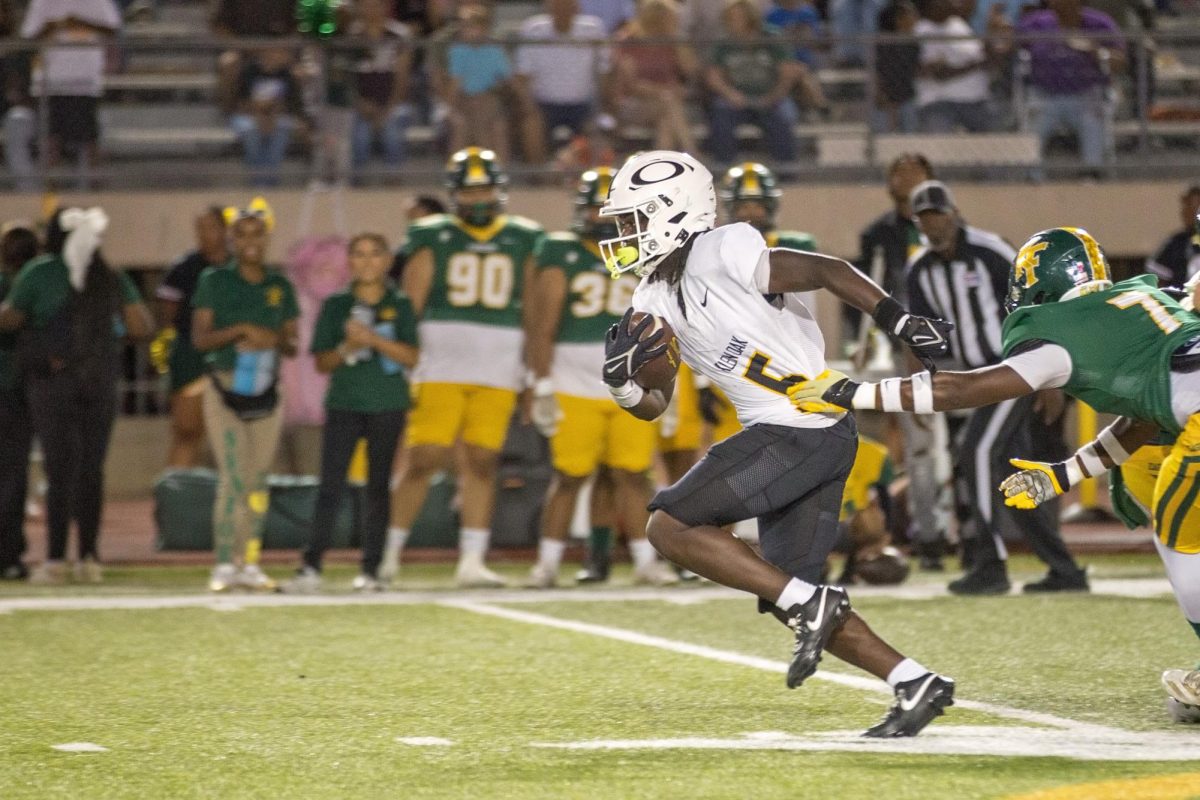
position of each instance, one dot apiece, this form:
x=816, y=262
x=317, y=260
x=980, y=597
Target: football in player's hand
x=658, y=373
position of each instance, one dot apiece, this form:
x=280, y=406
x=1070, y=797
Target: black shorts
x=790, y=479
x=73, y=119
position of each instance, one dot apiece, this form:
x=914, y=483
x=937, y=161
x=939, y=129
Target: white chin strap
x=84, y=229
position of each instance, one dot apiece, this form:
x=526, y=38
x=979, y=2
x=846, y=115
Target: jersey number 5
x=756, y=372
x=475, y=279
x=1158, y=313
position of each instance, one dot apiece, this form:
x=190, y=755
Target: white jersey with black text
x=753, y=346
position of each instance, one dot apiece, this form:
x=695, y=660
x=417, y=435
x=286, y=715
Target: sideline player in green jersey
x=577, y=302
x=1124, y=348
x=467, y=274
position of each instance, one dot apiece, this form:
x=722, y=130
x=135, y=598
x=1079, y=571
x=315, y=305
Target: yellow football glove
x=831, y=392
x=160, y=350
x=1036, y=483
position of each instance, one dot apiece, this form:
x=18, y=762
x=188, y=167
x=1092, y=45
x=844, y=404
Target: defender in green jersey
x=1123, y=348
x=467, y=274
x=577, y=302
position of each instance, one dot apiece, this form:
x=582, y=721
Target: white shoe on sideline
x=223, y=578
x=656, y=573
x=474, y=575
x=306, y=581
x=48, y=573
x=366, y=583
x=253, y=578
x=88, y=571
x=389, y=565
x=1183, y=685
x=542, y=576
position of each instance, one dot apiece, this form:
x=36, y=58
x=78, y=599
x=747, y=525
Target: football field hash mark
x=424, y=741
x=80, y=747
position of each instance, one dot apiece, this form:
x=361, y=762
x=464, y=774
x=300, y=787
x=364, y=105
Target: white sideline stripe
x=937, y=739
x=756, y=662
x=424, y=741
x=80, y=747
x=1119, y=587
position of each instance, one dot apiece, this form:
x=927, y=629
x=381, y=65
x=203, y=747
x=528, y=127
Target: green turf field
x=676, y=694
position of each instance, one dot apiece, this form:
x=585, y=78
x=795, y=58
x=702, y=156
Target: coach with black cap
x=960, y=274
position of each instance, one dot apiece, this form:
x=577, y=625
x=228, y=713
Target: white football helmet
x=659, y=198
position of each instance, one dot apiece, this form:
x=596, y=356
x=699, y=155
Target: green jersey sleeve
x=329, y=332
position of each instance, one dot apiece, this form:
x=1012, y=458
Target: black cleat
x=918, y=702
x=981, y=582
x=1057, y=582
x=813, y=623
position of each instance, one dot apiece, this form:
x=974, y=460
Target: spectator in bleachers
x=652, y=76
x=249, y=18
x=16, y=106
x=952, y=79
x=382, y=85
x=244, y=320
x=896, y=66
x=595, y=146
x=1178, y=258
x=72, y=78
x=73, y=310
x=185, y=364
x=479, y=73
x=564, y=74
x=18, y=244
x=700, y=20
x=851, y=20
x=800, y=23
x=366, y=340
x=1069, y=77
x=751, y=81
x=269, y=110
x=614, y=14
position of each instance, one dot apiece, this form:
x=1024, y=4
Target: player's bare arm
x=418, y=279
x=529, y=277
x=797, y=271
x=548, y=294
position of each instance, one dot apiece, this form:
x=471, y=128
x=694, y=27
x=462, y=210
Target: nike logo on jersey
x=909, y=703
x=704, y=302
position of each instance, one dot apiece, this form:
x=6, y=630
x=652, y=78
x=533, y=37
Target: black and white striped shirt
x=968, y=290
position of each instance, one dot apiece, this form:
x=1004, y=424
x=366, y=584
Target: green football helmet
x=1055, y=265
x=589, y=196
x=751, y=181
x=469, y=170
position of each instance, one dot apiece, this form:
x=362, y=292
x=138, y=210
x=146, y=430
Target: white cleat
x=389, y=566
x=366, y=583
x=656, y=573
x=223, y=578
x=477, y=576
x=253, y=578
x=1183, y=685
x=306, y=581
x=1183, y=713
x=88, y=571
x=542, y=576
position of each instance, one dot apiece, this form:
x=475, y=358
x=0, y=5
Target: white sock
x=643, y=553
x=797, y=592
x=550, y=553
x=397, y=537
x=474, y=542
x=906, y=670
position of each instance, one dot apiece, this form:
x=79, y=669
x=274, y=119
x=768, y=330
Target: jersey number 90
x=476, y=279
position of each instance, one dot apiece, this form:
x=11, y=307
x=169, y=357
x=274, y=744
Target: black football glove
x=625, y=352
x=925, y=336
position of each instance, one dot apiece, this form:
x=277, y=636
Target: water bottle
x=364, y=315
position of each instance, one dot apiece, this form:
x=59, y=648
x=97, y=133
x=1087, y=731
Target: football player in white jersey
x=732, y=304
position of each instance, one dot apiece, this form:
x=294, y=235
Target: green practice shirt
x=234, y=300
x=43, y=286
x=376, y=384
x=751, y=67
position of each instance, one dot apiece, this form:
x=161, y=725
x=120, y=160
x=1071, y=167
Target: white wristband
x=864, y=397
x=1075, y=472
x=543, y=387
x=1090, y=459
x=1116, y=451
x=628, y=394
x=922, y=393
x=889, y=390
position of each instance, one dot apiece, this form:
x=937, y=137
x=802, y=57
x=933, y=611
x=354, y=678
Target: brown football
x=660, y=372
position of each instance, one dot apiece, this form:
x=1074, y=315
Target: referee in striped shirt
x=961, y=275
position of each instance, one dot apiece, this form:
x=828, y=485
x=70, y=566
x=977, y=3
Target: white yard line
x=754, y=662
x=1139, y=587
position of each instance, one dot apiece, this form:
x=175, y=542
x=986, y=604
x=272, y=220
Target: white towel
x=84, y=228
